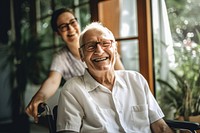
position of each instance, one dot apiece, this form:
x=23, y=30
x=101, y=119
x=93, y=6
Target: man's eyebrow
x=90, y=42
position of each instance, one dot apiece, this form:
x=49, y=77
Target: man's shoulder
x=129, y=75
x=127, y=72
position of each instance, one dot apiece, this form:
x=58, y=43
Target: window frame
x=144, y=38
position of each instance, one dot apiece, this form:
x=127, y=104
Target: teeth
x=100, y=59
x=70, y=35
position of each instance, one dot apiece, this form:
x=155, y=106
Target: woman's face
x=68, y=28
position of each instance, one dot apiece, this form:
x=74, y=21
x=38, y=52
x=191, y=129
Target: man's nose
x=99, y=49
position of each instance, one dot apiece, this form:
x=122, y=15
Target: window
x=130, y=22
x=177, y=51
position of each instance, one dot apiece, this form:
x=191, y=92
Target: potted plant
x=183, y=98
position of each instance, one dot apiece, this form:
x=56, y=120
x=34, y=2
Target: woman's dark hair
x=55, y=16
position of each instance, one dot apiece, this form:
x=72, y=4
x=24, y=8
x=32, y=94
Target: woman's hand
x=32, y=108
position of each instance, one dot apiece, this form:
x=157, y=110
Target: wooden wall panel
x=145, y=41
x=109, y=14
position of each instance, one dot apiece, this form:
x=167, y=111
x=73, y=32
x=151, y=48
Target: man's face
x=98, y=50
x=68, y=28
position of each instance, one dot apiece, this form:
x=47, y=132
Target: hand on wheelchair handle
x=41, y=108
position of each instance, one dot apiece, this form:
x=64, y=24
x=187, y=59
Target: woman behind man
x=66, y=63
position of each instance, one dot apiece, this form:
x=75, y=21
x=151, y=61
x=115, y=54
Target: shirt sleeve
x=69, y=112
x=155, y=112
x=58, y=63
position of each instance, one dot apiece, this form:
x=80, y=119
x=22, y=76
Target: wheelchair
x=175, y=125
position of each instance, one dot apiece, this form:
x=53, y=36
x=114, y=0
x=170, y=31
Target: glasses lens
x=63, y=27
x=91, y=46
x=106, y=43
x=73, y=22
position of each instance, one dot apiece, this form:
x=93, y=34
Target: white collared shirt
x=87, y=106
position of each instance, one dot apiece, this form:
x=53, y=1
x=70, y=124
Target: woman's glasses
x=65, y=26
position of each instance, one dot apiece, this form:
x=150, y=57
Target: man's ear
x=81, y=54
x=116, y=52
x=116, y=44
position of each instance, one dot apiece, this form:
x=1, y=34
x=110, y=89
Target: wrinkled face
x=68, y=27
x=98, y=50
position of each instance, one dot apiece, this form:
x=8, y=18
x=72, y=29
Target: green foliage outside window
x=180, y=92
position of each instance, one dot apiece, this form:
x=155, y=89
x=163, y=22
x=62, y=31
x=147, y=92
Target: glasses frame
x=94, y=44
x=73, y=22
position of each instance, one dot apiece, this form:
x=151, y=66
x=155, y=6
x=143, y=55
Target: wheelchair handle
x=43, y=107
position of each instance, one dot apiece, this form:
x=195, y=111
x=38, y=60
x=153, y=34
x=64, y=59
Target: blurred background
x=158, y=38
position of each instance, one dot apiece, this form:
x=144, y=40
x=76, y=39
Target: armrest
x=183, y=125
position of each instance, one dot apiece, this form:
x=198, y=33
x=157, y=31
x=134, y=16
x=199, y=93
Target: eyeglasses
x=65, y=26
x=91, y=46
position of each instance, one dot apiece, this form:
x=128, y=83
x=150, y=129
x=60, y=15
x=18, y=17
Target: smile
x=100, y=59
x=70, y=35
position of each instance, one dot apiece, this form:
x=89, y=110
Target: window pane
x=64, y=3
x=129, y=54
x=44, y=8
x=83, y=1
x=83, y=15
x=45, y=32
x=128, y=18
x=70, y=3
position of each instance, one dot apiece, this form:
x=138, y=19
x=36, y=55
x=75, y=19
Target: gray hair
x=97, y=26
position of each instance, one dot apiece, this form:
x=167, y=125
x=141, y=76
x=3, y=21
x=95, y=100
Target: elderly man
x=104, y=100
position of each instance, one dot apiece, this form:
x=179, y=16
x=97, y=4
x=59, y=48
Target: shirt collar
x=92, y=84
x=119, y=79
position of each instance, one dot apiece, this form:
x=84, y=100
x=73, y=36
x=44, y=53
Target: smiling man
x=104, y=100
